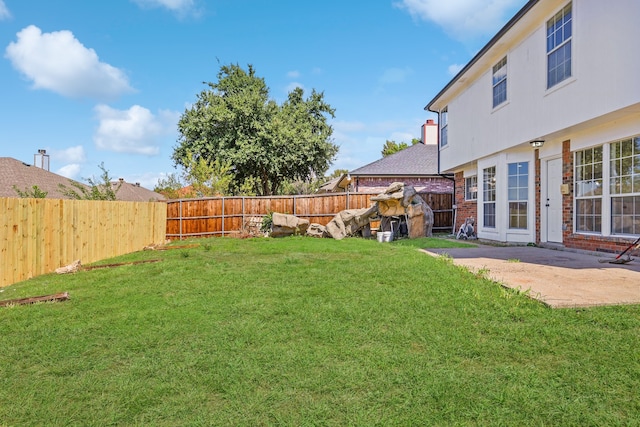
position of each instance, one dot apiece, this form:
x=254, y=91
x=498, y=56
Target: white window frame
x=471, y=188
x=444, y=127
x=489, y=181
x=588, y=178
x=499, y=82
x=518, y=195
x=624, y=186
x=559, y=37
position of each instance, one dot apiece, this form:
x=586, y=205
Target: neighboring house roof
x=25, y=176
x=416, y=160
x=134, y=193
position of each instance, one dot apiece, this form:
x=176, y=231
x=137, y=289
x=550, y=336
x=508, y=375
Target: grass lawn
x=307, y=332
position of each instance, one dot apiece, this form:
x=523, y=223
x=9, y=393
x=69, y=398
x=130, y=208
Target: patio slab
x=559, y=278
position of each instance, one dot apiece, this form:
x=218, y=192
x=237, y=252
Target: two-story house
x=542, y=127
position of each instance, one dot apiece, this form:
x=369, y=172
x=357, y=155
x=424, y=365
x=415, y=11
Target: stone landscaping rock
x=349, y=222
x=397, y=200
x=316, y=230
x=288, y=225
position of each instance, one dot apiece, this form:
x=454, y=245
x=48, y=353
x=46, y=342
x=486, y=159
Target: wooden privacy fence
x=39, y=235
x=220, y=216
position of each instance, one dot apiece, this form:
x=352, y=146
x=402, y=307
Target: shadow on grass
x=433, y=243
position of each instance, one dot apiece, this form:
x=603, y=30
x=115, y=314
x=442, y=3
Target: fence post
x=180, y=219
x=294, y=205
x=348, y=199
x=222, y=216
x=243, y=215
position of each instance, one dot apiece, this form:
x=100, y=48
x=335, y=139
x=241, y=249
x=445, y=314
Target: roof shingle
x=25, y=176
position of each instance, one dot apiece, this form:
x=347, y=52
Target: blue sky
x=106, y=81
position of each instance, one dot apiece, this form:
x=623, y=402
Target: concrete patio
x=559, y=278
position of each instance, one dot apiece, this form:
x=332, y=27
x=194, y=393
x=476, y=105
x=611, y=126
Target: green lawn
x=306, y=332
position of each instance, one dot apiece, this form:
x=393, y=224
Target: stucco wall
x=532, y=111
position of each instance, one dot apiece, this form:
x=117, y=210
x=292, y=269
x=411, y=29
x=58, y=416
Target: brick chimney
x=429, y=132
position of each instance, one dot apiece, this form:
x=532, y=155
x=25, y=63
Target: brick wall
x=466, y=208
x=567, y=199
x=429, y=185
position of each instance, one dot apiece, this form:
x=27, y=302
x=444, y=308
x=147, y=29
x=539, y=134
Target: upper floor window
x=471, y=188
x=444, y=121
x=500, y=82
x=559, y=47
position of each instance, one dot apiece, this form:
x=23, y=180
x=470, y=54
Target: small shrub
x=267, y=222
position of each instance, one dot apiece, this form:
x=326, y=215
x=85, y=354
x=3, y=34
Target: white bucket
x=379, y=236
x=385, y=236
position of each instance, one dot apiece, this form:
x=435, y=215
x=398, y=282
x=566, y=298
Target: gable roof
x=25, y=176
x=416, y=160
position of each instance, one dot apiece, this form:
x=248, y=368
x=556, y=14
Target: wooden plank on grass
x=119, y=264
x=31, y=300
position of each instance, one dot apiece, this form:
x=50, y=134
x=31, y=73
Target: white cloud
x=462, y=19
x=70, y=155
x=70, y=171
x=4, y=11
x=293, y=74
x=57, y=61
x=179, y=6
x=395, y=75
x=291, y=86
x=455, y=69
x=135, y=130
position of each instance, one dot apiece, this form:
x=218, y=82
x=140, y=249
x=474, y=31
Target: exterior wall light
x=537, y=143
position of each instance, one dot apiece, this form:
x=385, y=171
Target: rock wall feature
x=399, y=199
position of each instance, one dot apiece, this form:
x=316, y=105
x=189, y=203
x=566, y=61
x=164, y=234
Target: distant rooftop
x=24, y=176
x=416, y=160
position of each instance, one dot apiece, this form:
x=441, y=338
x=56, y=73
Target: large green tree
x=391, y=147
x=234, y=122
